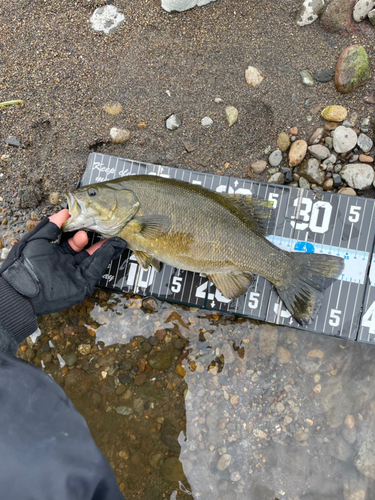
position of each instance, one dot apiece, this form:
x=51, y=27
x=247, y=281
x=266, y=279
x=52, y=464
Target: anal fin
x=232, y=286
x=145, y=260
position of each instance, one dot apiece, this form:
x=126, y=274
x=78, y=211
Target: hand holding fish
x=54, y=276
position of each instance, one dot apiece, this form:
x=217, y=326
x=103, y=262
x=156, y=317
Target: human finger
x=78, y=241
x=96, y=246
x=60, y=217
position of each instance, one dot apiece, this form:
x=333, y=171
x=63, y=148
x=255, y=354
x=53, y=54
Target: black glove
x=48, y=277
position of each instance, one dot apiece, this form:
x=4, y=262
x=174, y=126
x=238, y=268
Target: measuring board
x=325, y=223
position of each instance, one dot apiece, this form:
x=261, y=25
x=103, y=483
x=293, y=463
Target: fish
x=222, y=236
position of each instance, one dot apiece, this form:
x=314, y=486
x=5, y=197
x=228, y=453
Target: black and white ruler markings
x=303, y=221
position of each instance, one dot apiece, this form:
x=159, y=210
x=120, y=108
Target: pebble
x=275, y=158
x=224, y=461
x=317, y=136
x=283, y=355
x=365, y=159
x=206, y=122
x=297, y=152
x=303, y=183
x=253, y=76
x=31, y=224
x=310, y=10
x=324, y=76
x=70, y=359
x=328, y=184
x=232, y=115
x=318, y=151
x=12, y=140
x=259, y=166
x=54, y=198
x=173, y=122
x=312, y=172
x=288, y=174
x=365, y=143
x=347, y=190
x=235, y=476
x=150, y=303
x=124, y=410
x=277, y=178
x=218, y=100
x=337, y=181
x=344, y=139
x=306, y=78
x=106, y=19
x=349, y=421
x=334, y=113
x=352, y=69
x=84, y=349
x=361, y=9
x=358, y=175
x=283, y=142
x=119, y=136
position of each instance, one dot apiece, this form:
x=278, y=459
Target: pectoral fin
x=145, y=260
x=151, y=226
x=232, y=286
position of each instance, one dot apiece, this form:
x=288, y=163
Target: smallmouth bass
x=216, y=234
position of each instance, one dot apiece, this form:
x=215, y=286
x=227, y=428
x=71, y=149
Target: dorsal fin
x=257, y=213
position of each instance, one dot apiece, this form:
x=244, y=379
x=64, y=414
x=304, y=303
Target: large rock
x=181, y=5
x=361, y=9
x=358, y=175
x=337, y=17
x=352, y=69
x=309, y=11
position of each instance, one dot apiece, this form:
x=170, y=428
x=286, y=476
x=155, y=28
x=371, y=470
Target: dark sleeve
x=46, y=449
x=8, y=344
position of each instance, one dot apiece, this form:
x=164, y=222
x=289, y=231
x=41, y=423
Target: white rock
x=309, y=11
x=173, y=122
x=358, y=175
x=361, y=9
x=232, y=115
x=4, y=253
x=206, y=122
x=181, y=5
x=253, y=76
x=344, y=139
x=106, y=19
x=119, y=136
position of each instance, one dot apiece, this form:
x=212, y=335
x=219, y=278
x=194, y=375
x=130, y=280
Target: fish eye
x=91, y=192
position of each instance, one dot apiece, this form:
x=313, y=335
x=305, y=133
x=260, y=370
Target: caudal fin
x=303, y=287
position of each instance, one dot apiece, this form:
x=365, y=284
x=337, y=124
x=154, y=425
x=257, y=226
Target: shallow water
x=187, y=403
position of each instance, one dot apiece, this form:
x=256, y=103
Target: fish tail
x=303, y=286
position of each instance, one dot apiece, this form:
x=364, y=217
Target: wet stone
x=126, y=365
x=288, y=174
x=70, y=359
x=224, y=462
x=124, y=378
x=150, y=303
x=306, y=78
x=153, y=341
x=162, y=360
x=124, y=410
x=171, y=470
x=146, y=347
x=283, y=141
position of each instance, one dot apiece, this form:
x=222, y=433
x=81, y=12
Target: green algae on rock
x=334, y=113
x=352, y=69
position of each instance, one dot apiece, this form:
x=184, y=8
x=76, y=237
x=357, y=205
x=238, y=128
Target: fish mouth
x=77, y=212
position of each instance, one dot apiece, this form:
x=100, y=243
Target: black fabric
x=16, y=312
x=46, y=449
x=53, y=277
